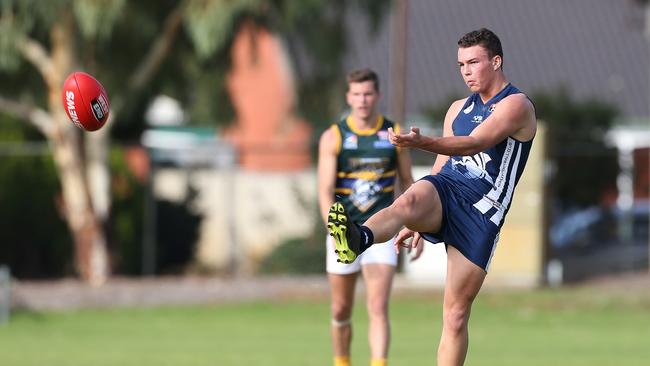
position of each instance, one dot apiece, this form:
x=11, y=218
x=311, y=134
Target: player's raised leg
x=418, y=209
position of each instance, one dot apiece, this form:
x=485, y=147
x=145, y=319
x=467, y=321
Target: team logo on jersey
x=492, y=106
x=473, y=167
x=468, y=109
x=366, y=189
x=365, y=193
x=477, y=119
x=382, y=144
x=350, y=142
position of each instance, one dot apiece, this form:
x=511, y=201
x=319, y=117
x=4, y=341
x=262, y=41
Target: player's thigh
x=342, y=293
x=464, y=278
x=423, y=206
x=378, y=279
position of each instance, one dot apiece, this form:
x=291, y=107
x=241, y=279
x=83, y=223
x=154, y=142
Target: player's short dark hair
x=485, y=38
x=361, y=75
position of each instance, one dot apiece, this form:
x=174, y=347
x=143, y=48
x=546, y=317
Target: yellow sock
x=378, y=362
x=342, y=361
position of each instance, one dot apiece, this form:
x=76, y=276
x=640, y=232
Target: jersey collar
x=365, y=132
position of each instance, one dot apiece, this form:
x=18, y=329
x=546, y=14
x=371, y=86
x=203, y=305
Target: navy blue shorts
x=463, y=226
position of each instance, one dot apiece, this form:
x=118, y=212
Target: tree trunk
x=91, y=259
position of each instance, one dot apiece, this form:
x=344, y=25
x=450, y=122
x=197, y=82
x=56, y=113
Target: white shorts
x=377, y=253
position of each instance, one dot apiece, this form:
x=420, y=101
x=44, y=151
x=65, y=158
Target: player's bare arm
x=514, y=116
x=404, y=174
x=327, y=170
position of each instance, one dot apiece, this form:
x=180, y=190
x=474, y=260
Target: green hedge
x=298, y=255
x=35, y=239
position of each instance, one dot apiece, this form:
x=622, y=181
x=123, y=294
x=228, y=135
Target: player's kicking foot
x=345, y=233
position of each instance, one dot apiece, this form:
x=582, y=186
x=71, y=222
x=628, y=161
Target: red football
x=85, y=101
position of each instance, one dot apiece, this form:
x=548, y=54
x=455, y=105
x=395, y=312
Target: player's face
x=362, y=98
x=477, y=68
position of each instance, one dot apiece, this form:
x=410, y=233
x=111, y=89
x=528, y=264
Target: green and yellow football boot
x=345, y=233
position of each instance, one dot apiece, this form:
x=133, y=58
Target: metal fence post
x=5, y=294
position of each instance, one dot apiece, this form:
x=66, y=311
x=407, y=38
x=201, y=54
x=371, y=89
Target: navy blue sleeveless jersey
x=476, y=191
x=491, y=175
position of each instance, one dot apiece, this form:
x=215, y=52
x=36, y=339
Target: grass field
x=559, y=327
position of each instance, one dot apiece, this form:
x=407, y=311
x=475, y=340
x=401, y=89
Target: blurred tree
x=41, y=43
x=35, y=240
x=137, y=50
x=436, y=114
x=584, y=167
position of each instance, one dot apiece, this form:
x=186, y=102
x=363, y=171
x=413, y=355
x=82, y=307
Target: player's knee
x=341, y=311
x=341, y=323
x=378, y=308
x=404, y=206
x=456, y=317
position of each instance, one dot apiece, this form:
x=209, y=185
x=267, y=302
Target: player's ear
x=496, y=62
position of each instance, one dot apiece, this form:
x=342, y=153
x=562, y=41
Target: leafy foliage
x=35, y=239
x=436, y=114
x=585, y=168
x=211, y=23
x=113, y=36
x=294, y=256
x=574, y=122
x=125, y=232
x=176, y=235
x=298, y=255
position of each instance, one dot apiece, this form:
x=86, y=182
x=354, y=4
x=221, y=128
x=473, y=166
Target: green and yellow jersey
x=366, y=167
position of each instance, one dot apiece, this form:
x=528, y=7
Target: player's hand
x=415, y=244
x=411, y=139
